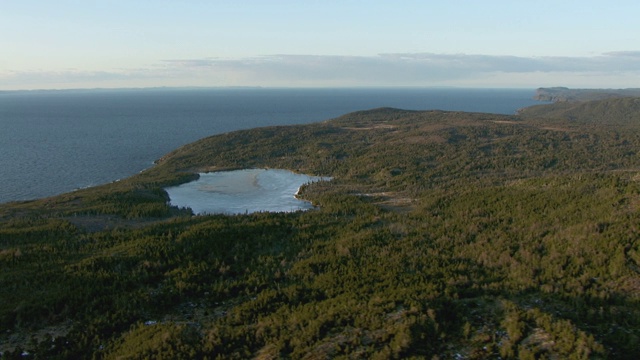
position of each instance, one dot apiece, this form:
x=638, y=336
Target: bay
x=53, y=142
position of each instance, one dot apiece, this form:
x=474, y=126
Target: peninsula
x=570, y=95
x=441, y=235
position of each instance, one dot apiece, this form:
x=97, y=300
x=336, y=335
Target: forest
x=442, y=235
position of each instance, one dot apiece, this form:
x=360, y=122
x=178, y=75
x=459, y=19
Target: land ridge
x=564, y=94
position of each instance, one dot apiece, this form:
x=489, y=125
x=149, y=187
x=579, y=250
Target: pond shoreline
x=243, y=191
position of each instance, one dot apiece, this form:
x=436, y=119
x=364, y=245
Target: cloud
x=69, y=78
x=406, y=68
x=624, y=54
x=618, y=69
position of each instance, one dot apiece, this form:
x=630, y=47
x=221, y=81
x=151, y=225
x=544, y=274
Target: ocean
x=52, y=142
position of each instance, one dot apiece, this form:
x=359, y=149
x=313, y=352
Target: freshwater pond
x=243, y=192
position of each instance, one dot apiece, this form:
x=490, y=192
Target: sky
x=71, y=44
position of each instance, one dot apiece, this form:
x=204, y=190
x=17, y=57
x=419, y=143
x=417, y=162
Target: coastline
x=87, y=143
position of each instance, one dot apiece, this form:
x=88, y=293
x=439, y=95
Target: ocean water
x=53, y=142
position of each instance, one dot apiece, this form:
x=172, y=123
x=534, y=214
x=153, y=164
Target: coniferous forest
x=442, y=235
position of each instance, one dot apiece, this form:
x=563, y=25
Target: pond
x=243, y=192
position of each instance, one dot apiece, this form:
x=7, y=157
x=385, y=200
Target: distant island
x=563, y=94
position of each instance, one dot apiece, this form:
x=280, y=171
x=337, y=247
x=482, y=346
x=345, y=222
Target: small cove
x=243, y=192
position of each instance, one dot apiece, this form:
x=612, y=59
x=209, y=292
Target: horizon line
x=258, y=87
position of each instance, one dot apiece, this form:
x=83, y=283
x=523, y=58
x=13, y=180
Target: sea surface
x=53, y=142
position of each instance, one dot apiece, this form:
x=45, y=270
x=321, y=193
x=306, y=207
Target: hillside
x=619, y=111
x=441, y=235
x=563, y=94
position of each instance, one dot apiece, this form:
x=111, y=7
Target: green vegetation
x=562, y=94
x=442, y=235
